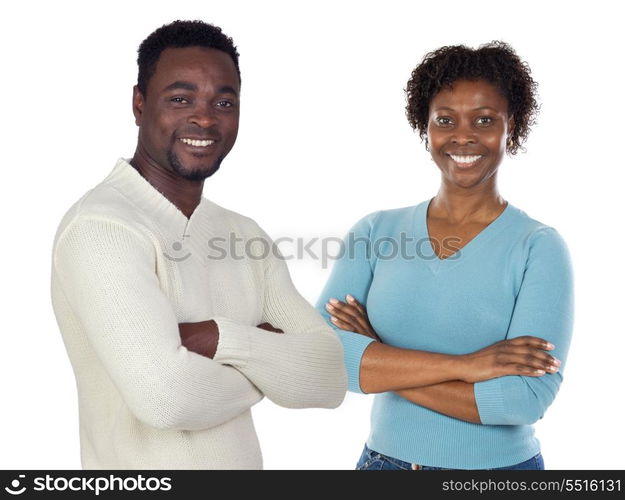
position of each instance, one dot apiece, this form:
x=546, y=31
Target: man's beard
x=195, y=175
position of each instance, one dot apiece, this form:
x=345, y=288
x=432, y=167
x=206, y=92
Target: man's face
x=189, y=120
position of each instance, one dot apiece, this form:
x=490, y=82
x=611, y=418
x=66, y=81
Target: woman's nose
x=464, y=134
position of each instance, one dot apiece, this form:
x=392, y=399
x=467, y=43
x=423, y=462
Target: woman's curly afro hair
x=495, y=62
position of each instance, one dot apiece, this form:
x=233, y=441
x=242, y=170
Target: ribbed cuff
x=354, y=346
x=233, y=347
x=490, y=401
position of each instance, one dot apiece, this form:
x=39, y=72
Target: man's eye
x=225, y=104
x=179, y=100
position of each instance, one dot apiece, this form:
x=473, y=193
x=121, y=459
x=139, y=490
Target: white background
x=323, y=141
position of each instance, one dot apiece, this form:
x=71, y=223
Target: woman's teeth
x=465, y=159
x=195, y=142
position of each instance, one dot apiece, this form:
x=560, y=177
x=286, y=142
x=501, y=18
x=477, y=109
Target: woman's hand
x=351, y=316
x=519, y=356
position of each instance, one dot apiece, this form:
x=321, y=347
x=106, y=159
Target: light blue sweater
x=513, y=279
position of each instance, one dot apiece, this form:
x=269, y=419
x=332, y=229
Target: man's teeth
x=465, y=158
x=195, y=142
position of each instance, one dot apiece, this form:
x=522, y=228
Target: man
x=132, y=279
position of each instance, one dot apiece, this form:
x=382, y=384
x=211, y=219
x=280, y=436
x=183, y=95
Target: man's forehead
x=195, y=64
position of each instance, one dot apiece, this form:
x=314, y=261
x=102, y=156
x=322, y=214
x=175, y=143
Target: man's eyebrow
x=181, y=85
x=226, y=89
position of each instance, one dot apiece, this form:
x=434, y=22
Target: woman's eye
x=443, y=120
x=225, y=104
x=484, y=120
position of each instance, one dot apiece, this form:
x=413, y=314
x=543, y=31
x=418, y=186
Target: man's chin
x=198, y=173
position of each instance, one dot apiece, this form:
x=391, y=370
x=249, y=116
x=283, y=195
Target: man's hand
x=269, y=328
x=201, y=338
x=351, y=316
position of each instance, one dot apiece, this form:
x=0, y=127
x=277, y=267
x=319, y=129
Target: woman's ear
x=509, y=143
x=511, y=125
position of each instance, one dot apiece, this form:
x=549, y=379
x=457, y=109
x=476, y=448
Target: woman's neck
x=457, y=205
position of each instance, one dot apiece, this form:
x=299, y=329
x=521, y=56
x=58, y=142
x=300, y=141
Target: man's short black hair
x=495, y=62
x=181, y=34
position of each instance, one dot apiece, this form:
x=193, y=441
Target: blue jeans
x=372, y=460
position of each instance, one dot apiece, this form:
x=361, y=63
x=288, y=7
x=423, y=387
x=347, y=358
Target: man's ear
x=138, y=100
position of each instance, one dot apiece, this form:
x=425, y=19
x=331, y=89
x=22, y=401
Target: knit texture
x=127, y=268
x=513, y=279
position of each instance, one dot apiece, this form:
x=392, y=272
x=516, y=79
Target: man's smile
x=203, y=143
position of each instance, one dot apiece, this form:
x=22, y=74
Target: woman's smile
x=464, y=161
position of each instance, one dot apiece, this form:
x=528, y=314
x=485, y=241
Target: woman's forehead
x=469, y=94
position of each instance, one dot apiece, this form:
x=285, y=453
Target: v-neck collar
x=146, y=197
x=435, y=263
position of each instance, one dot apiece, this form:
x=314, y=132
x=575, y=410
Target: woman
x=457, y=312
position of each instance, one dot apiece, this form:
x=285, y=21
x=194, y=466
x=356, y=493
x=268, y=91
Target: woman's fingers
x=528, y=340
x=345, y=319
x=347, y=309
x=350, y=317
x=531, y=360
x=348, y=313
x=530, y=352
x=525, y=355
x=525, y=370
x=364, y=316
x=352, y=301
x=343, y=325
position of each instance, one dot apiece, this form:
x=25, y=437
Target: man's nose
x=203, y=116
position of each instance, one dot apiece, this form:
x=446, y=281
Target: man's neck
x=181, y=192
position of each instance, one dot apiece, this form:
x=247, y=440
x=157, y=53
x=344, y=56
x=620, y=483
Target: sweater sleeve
x=543, y=308
x=301, y=368
x=351, y=274
x=107, y=273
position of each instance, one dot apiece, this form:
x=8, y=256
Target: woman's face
x=468, y=126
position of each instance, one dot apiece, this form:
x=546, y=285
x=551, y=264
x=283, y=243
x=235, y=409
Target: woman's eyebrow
x=484, y=107
x=446, y=108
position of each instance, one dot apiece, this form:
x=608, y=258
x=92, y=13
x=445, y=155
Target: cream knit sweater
x=127, y=268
